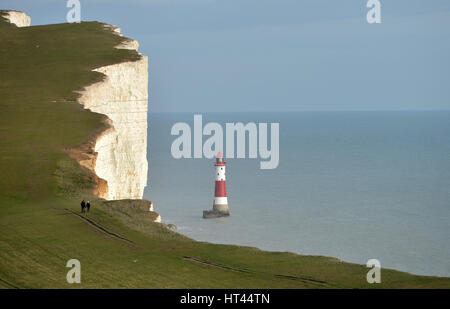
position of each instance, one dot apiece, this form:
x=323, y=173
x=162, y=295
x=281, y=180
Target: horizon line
x=305, y=111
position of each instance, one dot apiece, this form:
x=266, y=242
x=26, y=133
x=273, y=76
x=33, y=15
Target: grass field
x=117, y=244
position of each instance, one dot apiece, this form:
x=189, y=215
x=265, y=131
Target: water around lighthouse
x=352, y=185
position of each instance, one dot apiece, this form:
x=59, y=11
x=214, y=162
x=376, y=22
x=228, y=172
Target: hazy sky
x=280, y=55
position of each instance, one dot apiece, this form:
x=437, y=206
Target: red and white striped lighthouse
x=220, y=194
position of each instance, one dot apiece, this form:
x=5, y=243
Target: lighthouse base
x=210, y=214
x=219, y=210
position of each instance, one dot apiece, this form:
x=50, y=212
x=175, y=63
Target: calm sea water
x=352, y=185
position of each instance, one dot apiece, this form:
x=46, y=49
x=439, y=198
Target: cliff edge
x=19, y=19
x=119, y=157
x=121, y=150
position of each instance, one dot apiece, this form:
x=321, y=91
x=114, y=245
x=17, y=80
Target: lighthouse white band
x=220, y=173
x=220, y=201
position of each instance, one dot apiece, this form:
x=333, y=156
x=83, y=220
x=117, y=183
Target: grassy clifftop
x=117, y=244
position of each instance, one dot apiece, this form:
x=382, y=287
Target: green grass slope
x=117, y=244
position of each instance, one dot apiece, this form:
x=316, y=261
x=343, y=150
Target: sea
x=350, y=185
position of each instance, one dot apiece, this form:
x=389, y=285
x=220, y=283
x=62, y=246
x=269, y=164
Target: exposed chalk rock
x=150, y=207
x=113, y=28
x=158, y=219
x=129, y=44
x=122, y=150
x=19, y=19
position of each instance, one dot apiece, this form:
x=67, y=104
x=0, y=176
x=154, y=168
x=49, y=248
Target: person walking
x=83, y=205
x=88, y=206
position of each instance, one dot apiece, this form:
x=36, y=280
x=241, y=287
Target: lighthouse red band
x=220, y=194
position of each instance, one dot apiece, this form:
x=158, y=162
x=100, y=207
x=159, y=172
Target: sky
x=280, y=55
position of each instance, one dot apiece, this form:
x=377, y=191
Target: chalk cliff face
x=19, y=19
x=121, y=150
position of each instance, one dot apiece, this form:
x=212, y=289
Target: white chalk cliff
x=121, y=150
x=19, y=19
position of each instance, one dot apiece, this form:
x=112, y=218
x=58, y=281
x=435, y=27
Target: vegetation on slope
x=4, y=23
x=118, y=245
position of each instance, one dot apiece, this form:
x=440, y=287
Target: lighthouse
x=220, y=204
